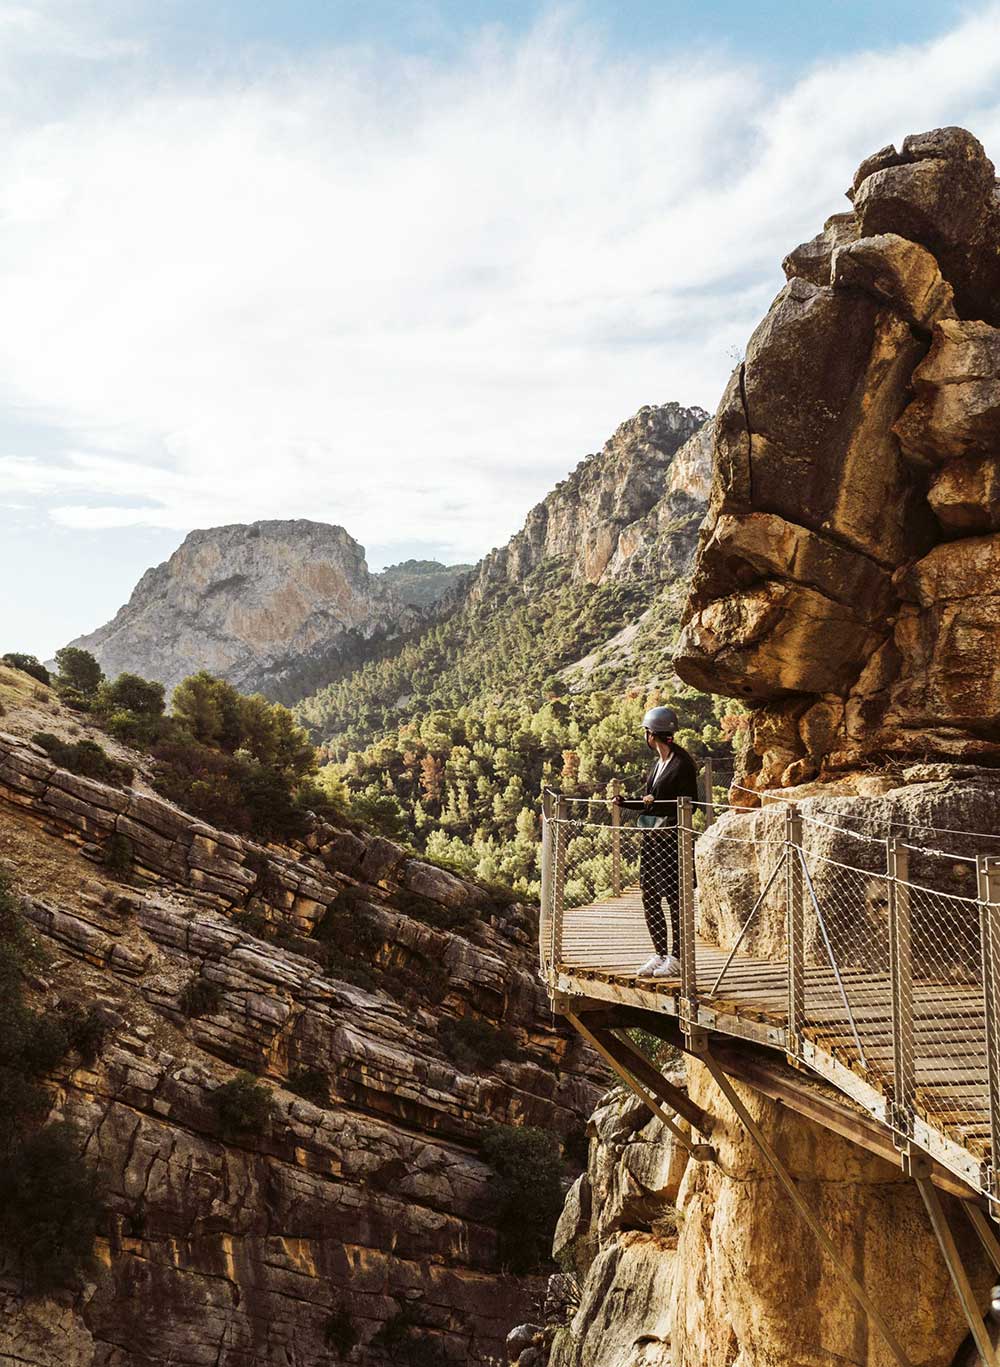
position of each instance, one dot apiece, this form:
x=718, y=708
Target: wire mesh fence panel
x=741, y=920
x=617, y=882
x=848, y=984
x=895, y=977
x=948, y=1056
x=605, y=868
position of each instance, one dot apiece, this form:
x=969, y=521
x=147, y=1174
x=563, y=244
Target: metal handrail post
x=989, y=921
x=901, y=986
x=685, y=859
x=545, y=910
x=558, y=879
x=616, y=841
x=709, y=780
x=795, y=932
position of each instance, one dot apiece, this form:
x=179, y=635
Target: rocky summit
x=650, y=476
x=277, y=607
x=846, y=583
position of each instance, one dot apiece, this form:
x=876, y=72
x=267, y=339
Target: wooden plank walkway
x=604, y=943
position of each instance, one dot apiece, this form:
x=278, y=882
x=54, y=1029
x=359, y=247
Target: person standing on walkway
x=671, y=776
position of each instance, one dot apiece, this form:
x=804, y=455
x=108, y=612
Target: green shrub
x=476, y=1044
x=312, y=1084
x=79, y=672
x=199, y=997
x=119, y=855
x=339, y=1332
x=242, y=1107
x=132, y=728
x=130, y=693
x=86, y=1031
x=341, y=968
x=84, y=757
x=527, y=1193
x=232, y=791
x=50, y=1212
x=27, y=664
x=72, y=697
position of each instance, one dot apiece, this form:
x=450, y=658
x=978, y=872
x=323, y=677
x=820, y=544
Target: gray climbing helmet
x=661, y=719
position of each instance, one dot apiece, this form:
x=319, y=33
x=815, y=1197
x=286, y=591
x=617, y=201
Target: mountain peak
x=589, y=518
x=274, y=606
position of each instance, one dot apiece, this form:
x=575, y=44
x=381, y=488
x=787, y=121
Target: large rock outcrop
x=375, y=1207
x=846, y=580
x=676, y=1263
x=278, y=608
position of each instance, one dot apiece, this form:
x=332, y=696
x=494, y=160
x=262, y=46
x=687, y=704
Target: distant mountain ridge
x=595, y=520
x=279, y=607
x=609, y=548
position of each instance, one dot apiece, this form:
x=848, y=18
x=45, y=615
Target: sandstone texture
x=676, y=1263
x=846, y=580
x=648, y=483
x=237, y=1252
x=278, y=607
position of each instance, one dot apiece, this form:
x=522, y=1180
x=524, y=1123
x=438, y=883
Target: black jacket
x=679, y=779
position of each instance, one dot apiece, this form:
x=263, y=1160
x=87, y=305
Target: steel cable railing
x=887, y=984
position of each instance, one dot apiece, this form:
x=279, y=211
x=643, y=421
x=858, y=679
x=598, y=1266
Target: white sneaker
x=649, y=967
x=668, y=967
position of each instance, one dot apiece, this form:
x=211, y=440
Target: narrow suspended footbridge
x=885, y=989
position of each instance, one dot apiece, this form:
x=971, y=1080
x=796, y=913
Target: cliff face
x=231, y=1251
x=674, y=1263
x=273, y=607
x=845, y=588
x=615, y=504
x=846, y=582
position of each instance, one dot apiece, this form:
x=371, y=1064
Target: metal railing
x=888, y=986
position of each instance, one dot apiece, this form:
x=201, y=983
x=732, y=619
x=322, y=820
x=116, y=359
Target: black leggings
x=659, y=879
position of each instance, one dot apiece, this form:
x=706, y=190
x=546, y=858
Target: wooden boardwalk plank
x=604, y=943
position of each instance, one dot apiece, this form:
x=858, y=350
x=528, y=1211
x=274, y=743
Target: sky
x=399, y=266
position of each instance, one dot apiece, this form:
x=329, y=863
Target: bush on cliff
x=527, y=1193
x=199, y=997
x=27, y=664
x=339, y=1332
x=132, y=693
x=242, y=1106
x=50, y=1212
x=476, y=1044
x=50, y=1209
x=119, y=856
x=84, y=757
x=235, y=761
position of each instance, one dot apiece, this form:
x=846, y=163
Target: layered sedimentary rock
x=846, y=583
x=229, y=1251
x=275, y=607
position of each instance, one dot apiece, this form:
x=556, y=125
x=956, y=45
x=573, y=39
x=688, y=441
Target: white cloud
x=403, y=296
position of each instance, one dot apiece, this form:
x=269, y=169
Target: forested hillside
x=541, y=672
